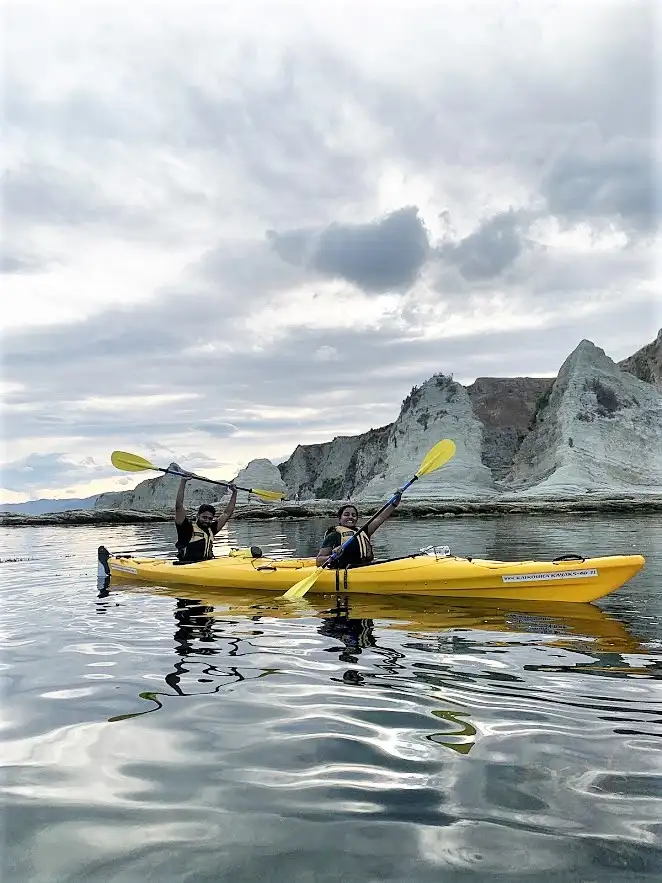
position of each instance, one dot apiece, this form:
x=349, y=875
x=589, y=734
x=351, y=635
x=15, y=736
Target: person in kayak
x=195, y=539
x=359, y=552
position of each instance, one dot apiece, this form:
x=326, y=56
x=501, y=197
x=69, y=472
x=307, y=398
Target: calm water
x=154, y=736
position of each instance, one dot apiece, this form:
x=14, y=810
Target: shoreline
x=585, y=505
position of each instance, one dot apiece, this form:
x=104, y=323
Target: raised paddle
x=441, y=453
x=134, y=463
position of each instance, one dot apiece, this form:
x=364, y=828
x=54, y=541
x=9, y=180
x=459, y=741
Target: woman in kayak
x=195, y=539
x=359, y=552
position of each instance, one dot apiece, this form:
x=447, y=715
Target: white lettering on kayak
x=122, y=569
x=545, y=577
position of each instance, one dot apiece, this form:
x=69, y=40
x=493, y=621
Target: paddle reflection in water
x=576, y=638
x=197, y=633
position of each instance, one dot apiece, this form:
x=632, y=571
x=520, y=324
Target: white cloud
x=447, y=187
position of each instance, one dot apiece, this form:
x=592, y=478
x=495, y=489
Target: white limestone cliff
x=261, y=474
x=440, y=408
x=157, y=494
x=328, y=470
x=599, y=431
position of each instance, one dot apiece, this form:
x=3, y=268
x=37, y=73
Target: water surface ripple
x=159, y=734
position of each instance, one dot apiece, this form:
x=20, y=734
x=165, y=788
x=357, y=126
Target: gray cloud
x=34, y=472
x=216, y=428
x=373, y=371
x=614, y=181
x=493, y=247
x=49, y=470
x=514, y=109
x=379, y=256
x=241, y=275
x=279, y=134
x=20, y=263
x=259, y=131
x=49, y=195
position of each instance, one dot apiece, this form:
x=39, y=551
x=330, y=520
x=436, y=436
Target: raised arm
x=226, y=514
x=180, y=512
x=384, y=516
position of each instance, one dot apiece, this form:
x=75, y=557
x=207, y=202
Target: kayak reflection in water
x=359, y=552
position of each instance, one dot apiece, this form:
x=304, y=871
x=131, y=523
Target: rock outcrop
x=261, y=474
x=494, y=420
x=157, y=494
x=328, y=470
x=506, y=406
x=600, y=429
x=646, y=363
x=440, y=408
x=373, y=464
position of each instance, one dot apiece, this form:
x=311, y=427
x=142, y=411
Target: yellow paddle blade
x=299, y=589
x=268, y=495
x=130, y=462
x=441, y=453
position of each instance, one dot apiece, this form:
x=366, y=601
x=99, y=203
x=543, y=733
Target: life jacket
x=200, y=547
x=358, y=552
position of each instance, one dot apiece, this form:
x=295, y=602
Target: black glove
x=397, y=496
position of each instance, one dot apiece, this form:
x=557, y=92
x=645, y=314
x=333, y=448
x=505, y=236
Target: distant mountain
x=40, y=507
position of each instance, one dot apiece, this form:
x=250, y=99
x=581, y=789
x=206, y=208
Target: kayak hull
x=572, y=581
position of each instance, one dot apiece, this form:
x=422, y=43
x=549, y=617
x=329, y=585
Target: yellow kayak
x=567, y=578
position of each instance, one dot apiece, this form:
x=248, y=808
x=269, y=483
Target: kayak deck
x=573, y=580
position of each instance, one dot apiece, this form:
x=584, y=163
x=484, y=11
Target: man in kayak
x=359, y=552
x=195, y=539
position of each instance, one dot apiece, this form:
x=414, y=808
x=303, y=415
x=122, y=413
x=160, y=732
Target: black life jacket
x=357, y=553
x=200, y=547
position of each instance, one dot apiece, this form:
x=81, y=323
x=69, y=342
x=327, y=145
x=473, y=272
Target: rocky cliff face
x=440, y=408
x=506, y=406
x=599, y=429
x=328, y=470
x=490, y=417
x=261, y=474
x=157, y=494
x=646, y=363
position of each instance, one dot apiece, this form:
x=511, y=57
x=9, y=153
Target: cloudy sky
x=231, y=228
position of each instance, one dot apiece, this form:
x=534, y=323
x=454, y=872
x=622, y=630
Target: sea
x=157, y=734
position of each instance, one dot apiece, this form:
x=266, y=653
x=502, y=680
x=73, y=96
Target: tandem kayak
x=568, y=578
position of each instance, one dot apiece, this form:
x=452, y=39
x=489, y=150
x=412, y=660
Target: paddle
x=441, y=453
x=134, y=463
